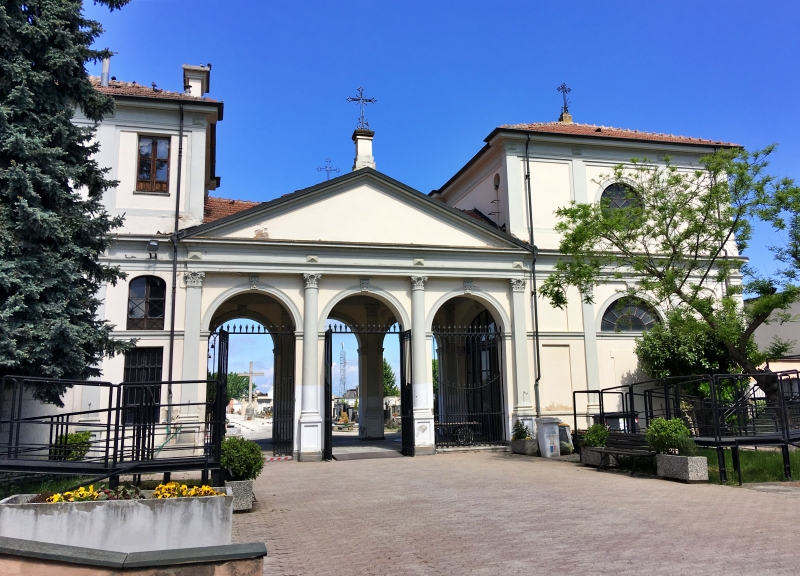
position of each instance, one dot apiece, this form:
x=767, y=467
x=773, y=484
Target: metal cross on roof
x=327, y=168
x=362, y=121
x=564, y=89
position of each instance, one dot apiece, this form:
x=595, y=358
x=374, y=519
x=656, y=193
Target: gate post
x=421, y=372
x=310, y=417
x=523, y=408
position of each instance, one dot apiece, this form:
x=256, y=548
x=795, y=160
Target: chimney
x=196, y=79
x=105, y=72
x=363, y=140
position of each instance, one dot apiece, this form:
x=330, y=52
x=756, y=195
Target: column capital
x=311, y=280
x=194, y=279
x=518, y=284
x=418, y=282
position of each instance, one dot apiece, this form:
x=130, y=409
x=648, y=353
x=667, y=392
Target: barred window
x=146, y=298
x=153, y=171
x=626, y=315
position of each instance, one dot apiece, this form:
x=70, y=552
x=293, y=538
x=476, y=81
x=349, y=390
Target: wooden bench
x=624, y=444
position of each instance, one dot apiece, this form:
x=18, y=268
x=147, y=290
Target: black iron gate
x=283, y=399
x=406, y=398
x=468, y=395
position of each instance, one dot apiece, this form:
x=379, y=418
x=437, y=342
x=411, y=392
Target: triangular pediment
x=364, y=207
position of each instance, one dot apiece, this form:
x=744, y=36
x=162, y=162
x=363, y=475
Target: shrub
x=72, y=447
x=668, y=436
x=566, y=448
x=596, y=435
x=521, y=432
x=241, y=459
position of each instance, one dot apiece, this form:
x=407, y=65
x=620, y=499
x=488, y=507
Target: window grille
x=146, y=299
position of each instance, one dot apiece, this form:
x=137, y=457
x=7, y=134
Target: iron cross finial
x=327, y=168
x=564, y=89
x=362, y=121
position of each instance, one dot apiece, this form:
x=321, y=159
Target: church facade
x=451, y=274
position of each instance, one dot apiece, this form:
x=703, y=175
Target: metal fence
x=468, y=395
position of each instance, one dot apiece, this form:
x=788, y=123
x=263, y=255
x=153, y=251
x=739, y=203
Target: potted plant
x=522, y=441
x=595, y=437
x=677, y=453
x=242, y=462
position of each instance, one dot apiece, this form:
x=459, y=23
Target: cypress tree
x=53, y=226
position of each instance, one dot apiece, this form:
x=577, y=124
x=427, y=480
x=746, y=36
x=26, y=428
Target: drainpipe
x=534, y=306
x=174, y=239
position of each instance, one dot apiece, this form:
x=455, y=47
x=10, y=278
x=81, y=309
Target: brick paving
x=498, y=513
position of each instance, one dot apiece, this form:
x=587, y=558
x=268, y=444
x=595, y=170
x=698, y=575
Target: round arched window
x=626, y=315
x=146, y=298
x=618, y=195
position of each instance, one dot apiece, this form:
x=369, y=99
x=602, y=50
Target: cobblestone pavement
x=497, y=513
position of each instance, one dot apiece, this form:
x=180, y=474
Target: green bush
x=521, y=432
x=72, y=447
x=566, y=448
x=668, y=436
x=596, y=435
x=241, y=459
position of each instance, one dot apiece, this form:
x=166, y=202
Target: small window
x=626, y=315
x=146, y=298
x=618, y=196
x=153, y=172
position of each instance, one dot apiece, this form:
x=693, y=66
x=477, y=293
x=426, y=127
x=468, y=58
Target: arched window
x=627, y=315
x=618, y=195
x=146, y=297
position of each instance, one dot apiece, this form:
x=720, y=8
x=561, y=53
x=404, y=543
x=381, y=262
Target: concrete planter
x=527, y=447
x=589, y=457
x=121, y=525
x=689, y=469
x=242, y=494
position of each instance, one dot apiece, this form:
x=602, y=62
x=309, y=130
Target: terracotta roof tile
x=610, y=132
x=117, y=88
x=216, y=208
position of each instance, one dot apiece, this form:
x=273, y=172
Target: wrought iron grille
x=468, y=393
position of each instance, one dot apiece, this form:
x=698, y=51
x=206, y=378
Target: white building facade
x=366, y=250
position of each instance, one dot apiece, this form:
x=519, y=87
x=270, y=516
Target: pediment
x=363, y=207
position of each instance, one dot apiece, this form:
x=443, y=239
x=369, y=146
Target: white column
x=310, y=417
x=191, y=340
x=523, y=409
x=422, y=387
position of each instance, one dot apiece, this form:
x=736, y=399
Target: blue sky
x=447, y=72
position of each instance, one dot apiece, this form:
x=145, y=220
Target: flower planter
x=527, y=447
x=590, y=457
x=242, y=494
x=689, y=469
x=121, y=525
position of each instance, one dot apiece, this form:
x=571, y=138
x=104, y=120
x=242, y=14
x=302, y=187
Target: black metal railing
x=469, y=392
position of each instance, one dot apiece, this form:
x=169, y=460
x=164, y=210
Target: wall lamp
x=152, y=248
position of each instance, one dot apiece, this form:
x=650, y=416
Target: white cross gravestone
x=249, y=411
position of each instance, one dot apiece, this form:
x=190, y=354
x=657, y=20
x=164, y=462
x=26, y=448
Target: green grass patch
x=11, y=486
x=763, y=465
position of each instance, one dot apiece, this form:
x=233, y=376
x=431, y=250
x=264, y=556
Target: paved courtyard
x=497, y=513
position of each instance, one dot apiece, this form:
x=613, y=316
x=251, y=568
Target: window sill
x=145, y=193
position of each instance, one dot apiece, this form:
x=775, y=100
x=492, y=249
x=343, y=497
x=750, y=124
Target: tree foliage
x=679, y=241
x=53, y=227
x=237, y=387
x=389, y=382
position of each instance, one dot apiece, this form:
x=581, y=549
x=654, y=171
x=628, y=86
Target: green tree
x=435, y=370
x=53, y=227
x=389, y=383
x=677, y=240
x=237, y=387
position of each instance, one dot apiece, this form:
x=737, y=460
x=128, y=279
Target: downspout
x=174, y=270
x=534, y=306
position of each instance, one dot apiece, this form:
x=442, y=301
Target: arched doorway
x=259, y=338
x=469, y=399
x=366, y=328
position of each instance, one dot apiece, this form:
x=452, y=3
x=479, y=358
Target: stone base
x=424, y=450
x=689, y=469
x=242, y=494
x=309, y=456
x=589, y=457
x=527, y=447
